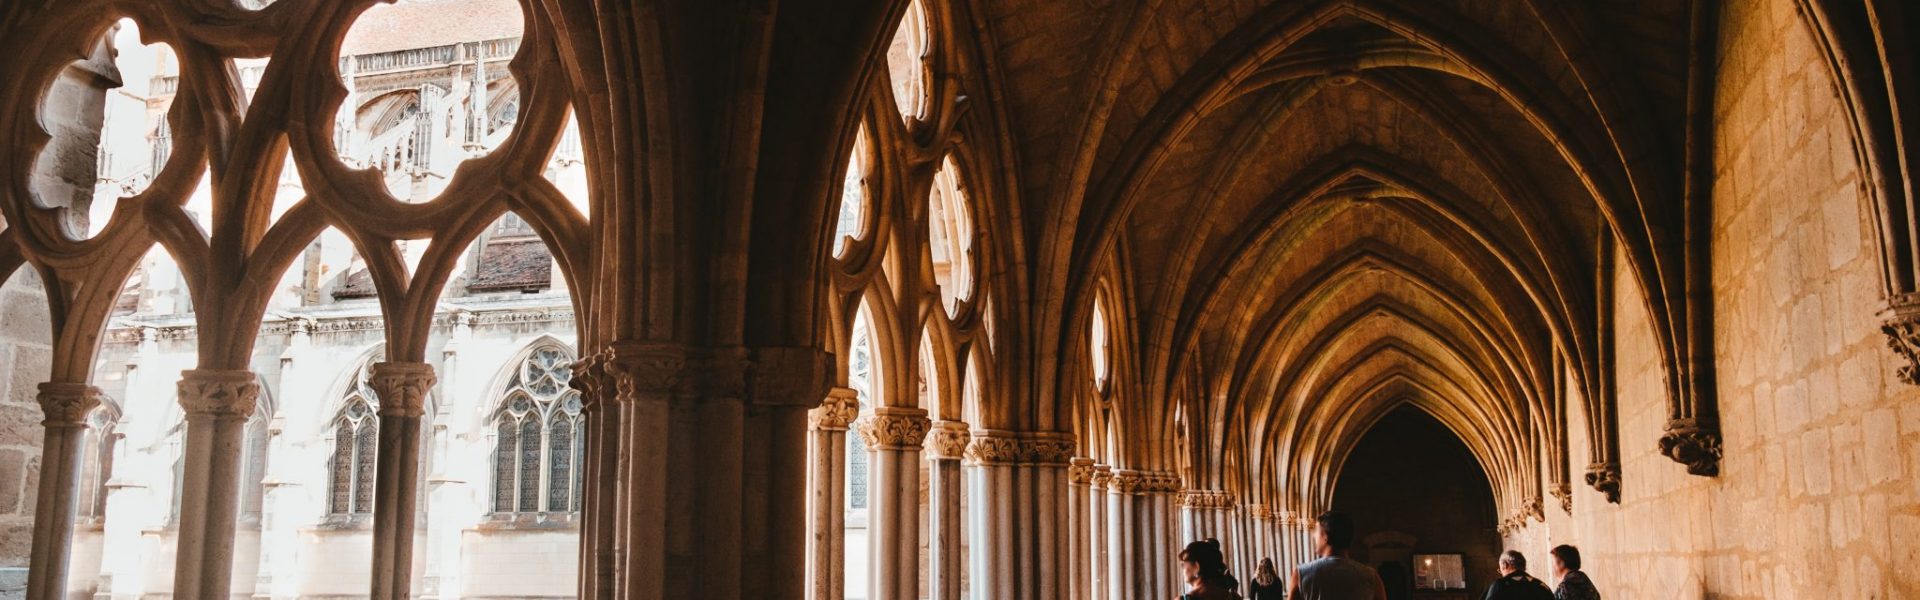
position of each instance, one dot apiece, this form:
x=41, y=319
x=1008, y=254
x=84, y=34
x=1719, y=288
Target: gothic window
x=1098, y=345
x=536, y=456
x=950, y=235
x=356, y=433
x=907, y=63
x=860, y=376
x=97, y=466
x=853, y=197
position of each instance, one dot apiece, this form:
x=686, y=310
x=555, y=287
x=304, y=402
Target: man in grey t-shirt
x=1334, y=576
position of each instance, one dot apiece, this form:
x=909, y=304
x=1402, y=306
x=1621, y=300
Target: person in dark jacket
x=1574, y=584
x=1266, y=584
x=1515, y=583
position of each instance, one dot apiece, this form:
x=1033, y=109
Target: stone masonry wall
x=1819, y=492
x=25, y=355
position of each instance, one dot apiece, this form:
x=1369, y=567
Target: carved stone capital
x=948, y=440
x=1901, y=323
x=1159, y=482
x=1604, y=477
x=67, y=404
x=402, y=386
x=591, y=380
x=1126, y=481
x=789, y=376
x=894, y=428
x=1259, y=511
x=661, y=370
x=836, y=412
x=218, y=393
x=1102, y=475
x=1080, y=471
x=1046, y=448
x=993, y=447
x=1694, y=444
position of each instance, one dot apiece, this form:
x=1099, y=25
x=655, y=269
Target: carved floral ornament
x=1102, y=476
x=402, y=386
x=1080, y=471
x=948, y=440
x=837, y=411
x=773, y=376
x=996, y=447
x=68, y=404
x=892, y=428
x=218, y=393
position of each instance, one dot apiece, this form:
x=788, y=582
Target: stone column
x=990, y=456
x=709, y=462
x=946, y=563
x=1125, y=573
x=827, y=493
x=894, y=436
x=1044, y=550
x=1097, y=532
x=402, y=387
x=217, y=404
x=65, y=406
x=1080, y=482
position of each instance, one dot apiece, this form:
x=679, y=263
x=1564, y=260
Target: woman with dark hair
x=1207, y=577
x=1266, y=584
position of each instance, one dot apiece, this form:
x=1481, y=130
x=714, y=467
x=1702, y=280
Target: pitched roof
x=428, y=23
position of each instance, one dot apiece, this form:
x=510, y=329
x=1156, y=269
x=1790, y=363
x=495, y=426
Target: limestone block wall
x=1817, y=493
x=25, y=355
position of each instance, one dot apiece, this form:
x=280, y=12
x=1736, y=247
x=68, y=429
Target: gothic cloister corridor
x=942, y=299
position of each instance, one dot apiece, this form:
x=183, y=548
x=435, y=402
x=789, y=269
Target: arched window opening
x=950, y=235
x=356, y=435
x=852, y=223
x=97, y=466
x=1098, y=346
x=864, y=375
x=106, y=117
x=536, y=455
x=907, y=63
x=423, y=99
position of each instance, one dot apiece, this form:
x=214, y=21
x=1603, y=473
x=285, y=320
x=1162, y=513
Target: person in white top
x=1334, y=576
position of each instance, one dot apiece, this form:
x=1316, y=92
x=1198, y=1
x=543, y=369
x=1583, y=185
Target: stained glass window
x=507, y=447
x=536, y=455
x=356, y=438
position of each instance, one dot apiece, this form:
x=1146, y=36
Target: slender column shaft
x=217, y=405
x=827, y=493
x=1045, y=564
x=65, y=406
x=990, y=457
x=1098, y=532
x=1124, y=571
x=894, y=436
x=1080, y=565
x=402, y=387
x=946, y=565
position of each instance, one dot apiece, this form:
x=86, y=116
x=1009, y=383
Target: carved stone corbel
x=1604, y=477
x=1901, y=323
x=1691, y=443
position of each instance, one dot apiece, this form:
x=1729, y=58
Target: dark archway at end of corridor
x=1412, y=488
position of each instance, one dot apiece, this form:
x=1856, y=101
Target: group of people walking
x=1335, y=576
